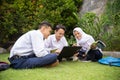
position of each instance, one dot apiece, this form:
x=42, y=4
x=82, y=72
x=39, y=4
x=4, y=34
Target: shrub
x=105, y=27
x=20, y=16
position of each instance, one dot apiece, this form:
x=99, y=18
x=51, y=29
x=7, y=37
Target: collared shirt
x=30, y=43
x=52, y=43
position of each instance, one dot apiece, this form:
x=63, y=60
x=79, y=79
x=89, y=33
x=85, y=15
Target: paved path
x=112, y=53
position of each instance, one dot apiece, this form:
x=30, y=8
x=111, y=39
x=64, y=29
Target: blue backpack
x=112, y=61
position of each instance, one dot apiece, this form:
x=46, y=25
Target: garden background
x=19, y=16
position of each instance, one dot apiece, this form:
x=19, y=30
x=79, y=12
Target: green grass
x=64, y=71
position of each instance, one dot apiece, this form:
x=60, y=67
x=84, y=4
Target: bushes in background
x=105, y=27
x=20, y=16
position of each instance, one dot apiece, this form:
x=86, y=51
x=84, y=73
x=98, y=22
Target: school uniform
x=94, y=55
x=29, y=51
x=85, y=42
x=51, y=43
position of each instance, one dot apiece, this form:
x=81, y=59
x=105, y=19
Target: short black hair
x=44, y=23
x=60, y=26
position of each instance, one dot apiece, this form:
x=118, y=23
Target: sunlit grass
x=64, y=71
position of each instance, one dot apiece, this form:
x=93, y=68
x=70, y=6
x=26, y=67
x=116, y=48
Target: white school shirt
x=86, y=45
x=52, y=43
x=29, y=43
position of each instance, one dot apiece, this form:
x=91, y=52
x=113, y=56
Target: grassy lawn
x=64, y=71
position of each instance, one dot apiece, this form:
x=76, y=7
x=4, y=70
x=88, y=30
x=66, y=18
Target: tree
x=20, y=16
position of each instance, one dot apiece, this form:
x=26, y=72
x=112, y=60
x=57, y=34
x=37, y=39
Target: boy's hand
x=74, y=44
x=58, y=51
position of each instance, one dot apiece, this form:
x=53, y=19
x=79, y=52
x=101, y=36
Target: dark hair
x=44, y=23
x=60, y=26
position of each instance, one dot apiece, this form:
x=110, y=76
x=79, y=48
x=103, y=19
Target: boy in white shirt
x=29, y=50
x=57, y=40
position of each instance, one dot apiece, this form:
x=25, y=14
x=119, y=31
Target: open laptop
x=69, y=51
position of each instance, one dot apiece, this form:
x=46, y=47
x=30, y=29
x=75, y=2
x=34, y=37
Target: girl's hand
x=76, y=54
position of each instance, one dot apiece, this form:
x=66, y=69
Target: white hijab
x=84, y=36
x=85, y=41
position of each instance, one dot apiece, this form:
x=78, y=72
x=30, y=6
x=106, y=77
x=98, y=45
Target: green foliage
x=91, y=24
x=100, y=28
x=113, y=14
x=15, y=19
x=87, y=22
x=20, y=16
x=71, y=40
x=113, y=11
x=104, y=27
x=115, y=38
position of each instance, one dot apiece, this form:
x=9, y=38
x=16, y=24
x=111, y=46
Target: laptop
x=69, y=51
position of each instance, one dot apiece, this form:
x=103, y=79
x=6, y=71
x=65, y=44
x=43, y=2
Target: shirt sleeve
x=88, y=44
x=38, y=45
x=48, y=44
x=65, y=41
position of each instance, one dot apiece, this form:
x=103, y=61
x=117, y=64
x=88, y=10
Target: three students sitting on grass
x=32, y=49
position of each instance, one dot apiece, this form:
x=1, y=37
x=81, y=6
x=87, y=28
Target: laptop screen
x=69, y=51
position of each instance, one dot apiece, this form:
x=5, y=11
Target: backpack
x=112, y=61
x=4, y=66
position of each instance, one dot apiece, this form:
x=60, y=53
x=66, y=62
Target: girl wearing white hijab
x=84, y=40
